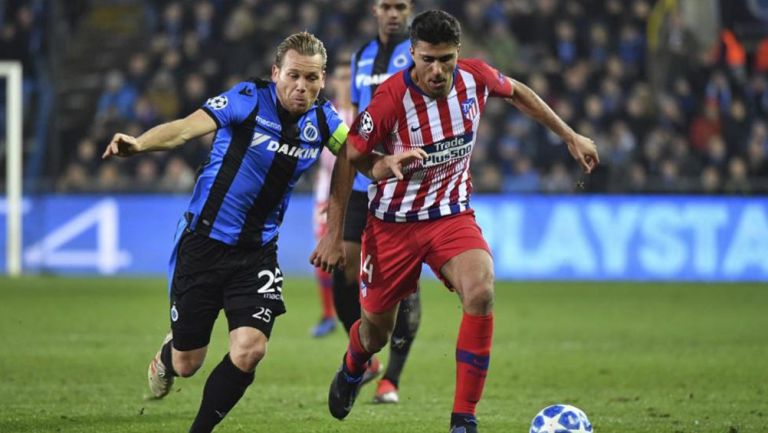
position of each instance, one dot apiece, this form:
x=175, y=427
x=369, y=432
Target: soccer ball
x=561, y=418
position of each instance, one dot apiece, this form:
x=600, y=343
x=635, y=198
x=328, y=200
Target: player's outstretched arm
x=162, y=137
x=582, y=148
x=329, y=251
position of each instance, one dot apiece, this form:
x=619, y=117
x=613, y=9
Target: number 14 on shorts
x=366, y=273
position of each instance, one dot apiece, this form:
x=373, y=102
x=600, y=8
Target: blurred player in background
x=420, y=210
x=267, y=135
x=340, y=87
x=327, y=323
x=372, y=64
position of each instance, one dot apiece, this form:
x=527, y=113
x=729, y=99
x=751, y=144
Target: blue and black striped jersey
x=257, y=156
x=372, y=64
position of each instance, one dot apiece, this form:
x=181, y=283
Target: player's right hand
x=584, y=151
x=328, y=253
x=121, y=145
x=392, y=165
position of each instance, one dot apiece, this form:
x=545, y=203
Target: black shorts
x=357, y=215
x=210, y=275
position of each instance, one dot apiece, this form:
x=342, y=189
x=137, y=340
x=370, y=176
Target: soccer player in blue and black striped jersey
x=267, y=134
x=372, y=64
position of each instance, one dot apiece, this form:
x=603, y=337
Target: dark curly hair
x=435, y=27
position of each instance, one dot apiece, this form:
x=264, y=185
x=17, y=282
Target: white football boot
x=159, y=382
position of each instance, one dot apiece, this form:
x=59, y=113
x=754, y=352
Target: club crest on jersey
x=310, y=132
x=217, y=102
x=400, y=61
x=469, y=109
x=366, y=125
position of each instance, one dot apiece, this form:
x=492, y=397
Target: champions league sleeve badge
x=366, y=125
x=217, y=102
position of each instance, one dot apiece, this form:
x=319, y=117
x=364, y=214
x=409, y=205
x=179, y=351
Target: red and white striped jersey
x=401, y=117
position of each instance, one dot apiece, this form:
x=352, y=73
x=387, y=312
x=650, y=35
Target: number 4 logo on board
x=107, y=257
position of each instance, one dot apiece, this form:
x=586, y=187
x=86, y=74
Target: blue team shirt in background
x=371, y=66
x=257, y=156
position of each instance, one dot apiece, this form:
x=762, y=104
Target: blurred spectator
x=716, y=154
x=737, y=182
x=146, y=179
x=731, y=54
x=710, y=180
x=705, y=126
x=163, y=97
x=178, y=177
x=524, y=178
x=117, y=99
x=620, y=145
x=109, y=178
x=757, y=96
x=87, y=157
x=636, y=180
x=567, y=51
x=757, y=158
x=487, y=177
x=75, y=179
x=204, y=27
x=558, y=180
x=193, y=94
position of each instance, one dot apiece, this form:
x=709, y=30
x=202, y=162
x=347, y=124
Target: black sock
x=463, y=419
x=166, y=357
x=223, y=389
x=408, y=319
x=346, y=299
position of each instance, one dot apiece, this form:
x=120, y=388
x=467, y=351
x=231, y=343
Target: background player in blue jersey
x=372, y=64
x=267, y=135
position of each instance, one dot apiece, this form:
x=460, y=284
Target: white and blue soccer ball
x=561, y=418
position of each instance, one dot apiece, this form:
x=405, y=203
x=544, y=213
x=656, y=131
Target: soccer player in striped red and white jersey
x=423, y=122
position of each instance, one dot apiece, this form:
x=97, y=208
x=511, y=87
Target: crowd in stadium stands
x=692, y=119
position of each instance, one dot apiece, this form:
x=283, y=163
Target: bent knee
x=375, y=340
x=478, y=299
x=186, y=367
x=248, y=355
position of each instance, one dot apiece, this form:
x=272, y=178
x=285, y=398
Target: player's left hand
x=328, y=253
x=392, y=165
x=584, y=150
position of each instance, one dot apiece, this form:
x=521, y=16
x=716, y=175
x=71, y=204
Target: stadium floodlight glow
x=11, y=70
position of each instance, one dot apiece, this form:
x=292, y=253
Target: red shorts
x=392, y=254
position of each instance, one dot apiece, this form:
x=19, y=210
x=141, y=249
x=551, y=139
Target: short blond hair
x=304, y=43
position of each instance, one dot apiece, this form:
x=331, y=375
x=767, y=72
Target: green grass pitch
x=636, y=357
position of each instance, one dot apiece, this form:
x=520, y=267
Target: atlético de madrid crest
x=469, y=109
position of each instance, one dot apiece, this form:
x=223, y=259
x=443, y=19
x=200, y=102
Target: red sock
x=473, y=350
x=357, y=357
x=325, y=287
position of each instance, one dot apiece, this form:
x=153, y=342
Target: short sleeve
x=337, y=128
x=354, y=90
x=233, y=106
x=497, y=83
x=373, y=125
